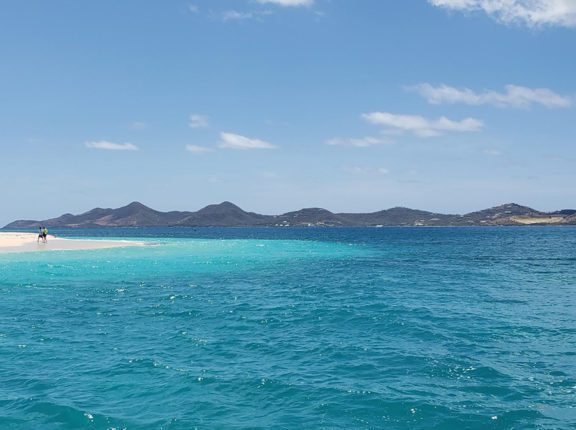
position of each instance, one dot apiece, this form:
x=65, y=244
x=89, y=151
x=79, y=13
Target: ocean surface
x=392, y=328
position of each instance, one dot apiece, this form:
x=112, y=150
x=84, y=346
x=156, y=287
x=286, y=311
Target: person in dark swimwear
x=45, y=234
x=40, y=234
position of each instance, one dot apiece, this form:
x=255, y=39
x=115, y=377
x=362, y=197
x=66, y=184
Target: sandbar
x=28, y=242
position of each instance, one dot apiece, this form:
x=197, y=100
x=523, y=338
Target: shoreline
x=16, y=242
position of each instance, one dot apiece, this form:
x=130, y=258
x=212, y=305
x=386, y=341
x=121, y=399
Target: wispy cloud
x=194, y=8
x=111, y=146
x=287, y=3
x=363, y=142
x=234, y=15
x=195, y=149
x=236, y=141
x=533, y=13
x=514, y=97
x=420, y=126
x=138, y=125
x=362, y=170
x=198, y=121
x=259, y=14
x=493, y=152
x=268, y=174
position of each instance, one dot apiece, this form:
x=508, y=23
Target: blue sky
x=444, y=105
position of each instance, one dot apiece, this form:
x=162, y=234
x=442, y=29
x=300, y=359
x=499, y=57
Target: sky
x=276, y=105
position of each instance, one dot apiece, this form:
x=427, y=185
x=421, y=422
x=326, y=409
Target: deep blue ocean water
x=407, y=328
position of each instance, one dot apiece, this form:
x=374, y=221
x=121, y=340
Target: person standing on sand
x=45, y=234
x=40, y=234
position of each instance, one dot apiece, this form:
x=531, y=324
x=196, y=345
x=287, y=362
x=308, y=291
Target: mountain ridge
x=227, y=214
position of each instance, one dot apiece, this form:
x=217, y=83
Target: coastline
x=11, y=242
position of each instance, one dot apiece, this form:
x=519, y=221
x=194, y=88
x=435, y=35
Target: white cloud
x=363, y=142
x=515, y=96
x=533, y=13
x=199, y=121
x=195, y=149
x=111, y=146
x=421, y=126
x=193, y=8
x=259, y=14
x=234, y=15
x=236, y=141
x=361, y=170
x=288, y=3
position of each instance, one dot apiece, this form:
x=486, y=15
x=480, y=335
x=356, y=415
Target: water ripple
x=324, y=329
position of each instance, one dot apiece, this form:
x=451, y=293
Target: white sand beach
x=28, y=242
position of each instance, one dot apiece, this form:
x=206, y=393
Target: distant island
x=227, y=214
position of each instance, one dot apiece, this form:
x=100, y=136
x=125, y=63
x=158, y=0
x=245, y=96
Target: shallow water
x=432, y=328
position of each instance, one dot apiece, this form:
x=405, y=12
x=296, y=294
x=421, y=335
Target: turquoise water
x=291, y=329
